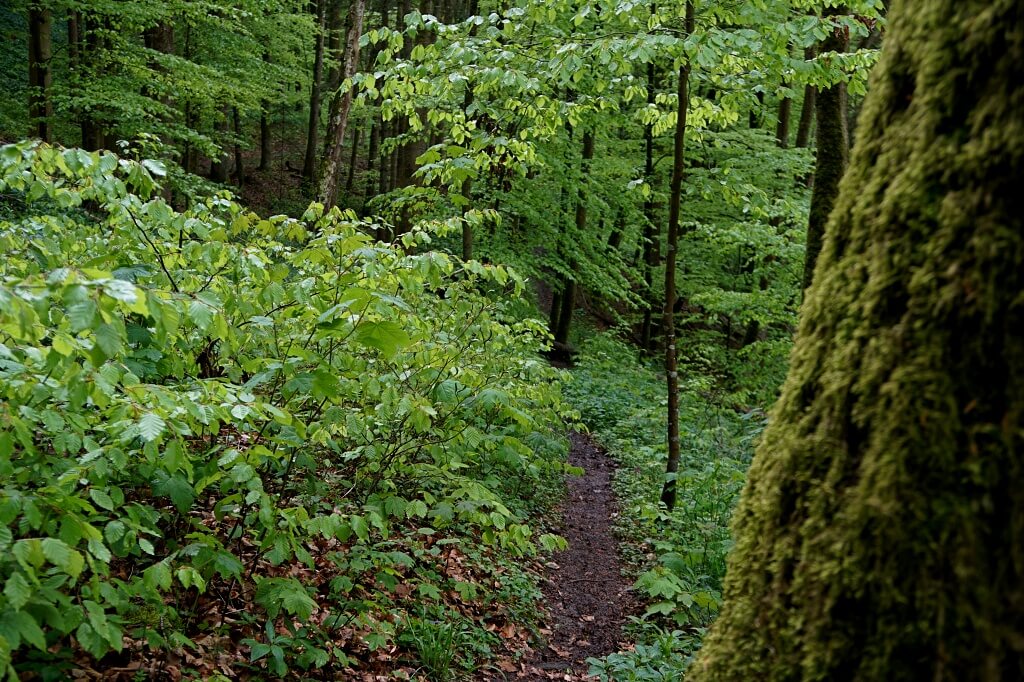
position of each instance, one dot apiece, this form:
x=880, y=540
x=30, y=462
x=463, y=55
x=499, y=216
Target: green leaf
x=156, y=168
x=158, y=575
x=359, y=527
x=201, y=314
x=387, y=337
x=82, y=315
x=151, y=425
x=108, y=339
x=17, y=590
x=101, y=498
x=177, y=488
x=63, y=557
x=28, y=629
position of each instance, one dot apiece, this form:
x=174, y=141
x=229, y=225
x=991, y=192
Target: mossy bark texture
x=881, y=532
x=833, y=141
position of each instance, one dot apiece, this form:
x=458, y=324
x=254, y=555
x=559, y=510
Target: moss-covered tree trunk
x=833, y=141
x=881, y=532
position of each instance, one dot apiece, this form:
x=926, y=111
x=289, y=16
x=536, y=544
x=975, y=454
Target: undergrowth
x=273, y=447
x=678, y=558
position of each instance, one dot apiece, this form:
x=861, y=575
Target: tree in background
x=833, y=144
x=881, y=530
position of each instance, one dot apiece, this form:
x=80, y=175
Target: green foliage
x=679, y=558
x=208, y=395
x=663, y=658
x=441, y=643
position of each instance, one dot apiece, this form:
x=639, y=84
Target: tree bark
x=880, y=535
x=668, y=492
x=467, y=229
x=803, y=129
x=40, y=108
x=569, y=284
x=265, y=152
x=331, y=176
x=239, y=167
x=651, y=235
x=782, y=128
x=833, y=141
x=313, y=127
x=353, y=159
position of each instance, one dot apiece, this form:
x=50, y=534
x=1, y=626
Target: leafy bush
x=208, y=413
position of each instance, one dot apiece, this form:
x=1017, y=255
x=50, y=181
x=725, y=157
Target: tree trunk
x=218, y=164
x=651, y=236
x=782, y=129
x=334, y=55
x=757, y=111
x=265, y=128
x=313, y=127
x=803, y=129
x=668, y=492
x=371, y=158
x=880, y=535
x=569, y=286
x=239, y=167
x=331, y=175
x=353, y=159
x=467, y=229
x=833, y=141
x=40, y=108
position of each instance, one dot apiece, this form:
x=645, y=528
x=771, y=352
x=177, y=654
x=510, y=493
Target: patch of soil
x=588, y=599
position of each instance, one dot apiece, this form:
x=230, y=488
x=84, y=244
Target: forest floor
x=587, y=596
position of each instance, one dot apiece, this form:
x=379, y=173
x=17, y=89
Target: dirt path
x=587, y=597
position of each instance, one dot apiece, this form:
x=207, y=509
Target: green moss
x=881, y=532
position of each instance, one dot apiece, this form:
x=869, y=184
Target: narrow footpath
x=586, y=595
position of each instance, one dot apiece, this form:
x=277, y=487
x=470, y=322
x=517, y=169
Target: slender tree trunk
x=74, y=40
x=40, y=108
x=569, y=286
x=264, y=137
x=668, y=493
x=218, y=164
x=651, y=236
x=803, y=129
x=371, y=158
x=757, y=111
x=353, y=159
x=833, y=141
x=467, y=183
x=555, y=313
x=239, y=168
x=880, y=535
x=91, y=65
x=331, y=176
x=782, y=129
x=467, y=229
x=313, y=128
x=265, y=152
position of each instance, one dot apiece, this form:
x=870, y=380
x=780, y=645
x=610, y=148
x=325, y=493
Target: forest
x=492, y=340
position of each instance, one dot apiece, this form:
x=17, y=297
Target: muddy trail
x=587, y=598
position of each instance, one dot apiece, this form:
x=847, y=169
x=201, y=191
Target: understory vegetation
x=677, y=559
x=273, y=443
